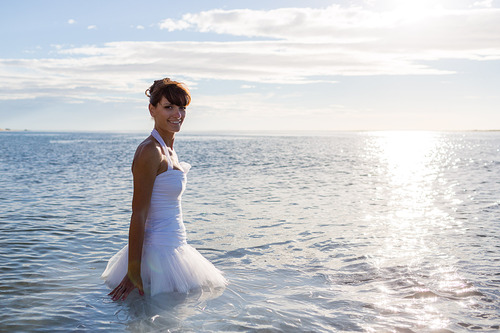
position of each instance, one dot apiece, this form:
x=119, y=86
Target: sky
x=252, y=65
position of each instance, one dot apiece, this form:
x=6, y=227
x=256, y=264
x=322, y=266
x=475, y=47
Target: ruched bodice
x=164, y=225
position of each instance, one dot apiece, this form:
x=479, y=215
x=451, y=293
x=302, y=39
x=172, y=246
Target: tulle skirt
x=166, y=269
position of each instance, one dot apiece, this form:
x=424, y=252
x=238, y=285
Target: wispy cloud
x=483, y=3
x=356, y=28
x=71, y=21
x=298, y=45
x=172, y=25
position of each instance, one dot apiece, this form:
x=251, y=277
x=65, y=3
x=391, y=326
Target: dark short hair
x=176, y=92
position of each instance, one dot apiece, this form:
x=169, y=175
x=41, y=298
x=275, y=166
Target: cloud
x=172, y=25
x=353, y=27
x=71, y=21
x=300, y=45
x=483, y=3
x=92, y=27
x=328, y=24
x=100, y=67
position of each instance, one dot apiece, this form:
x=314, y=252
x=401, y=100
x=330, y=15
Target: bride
x=157, y=258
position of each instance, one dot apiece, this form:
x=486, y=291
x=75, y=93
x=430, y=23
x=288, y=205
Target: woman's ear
x=151, y=110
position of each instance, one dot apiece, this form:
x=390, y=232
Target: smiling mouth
x=177, y=122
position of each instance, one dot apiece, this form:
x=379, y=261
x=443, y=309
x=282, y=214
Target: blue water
x=328, y=232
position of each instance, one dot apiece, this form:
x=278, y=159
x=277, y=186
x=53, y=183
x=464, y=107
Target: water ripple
x=347, y=232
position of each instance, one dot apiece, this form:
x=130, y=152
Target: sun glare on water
x=407, y=227
x=407, y=155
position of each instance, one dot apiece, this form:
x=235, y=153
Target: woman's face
x=167, y=116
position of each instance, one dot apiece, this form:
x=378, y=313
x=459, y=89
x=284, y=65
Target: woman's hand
x=126, y=286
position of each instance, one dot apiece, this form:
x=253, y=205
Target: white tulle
x=178, y=269
x=168, y=262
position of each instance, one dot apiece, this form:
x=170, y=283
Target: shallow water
x=346, y=232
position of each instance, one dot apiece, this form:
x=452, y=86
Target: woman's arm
x=144, y=169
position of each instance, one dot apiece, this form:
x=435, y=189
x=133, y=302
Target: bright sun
x=415, y=9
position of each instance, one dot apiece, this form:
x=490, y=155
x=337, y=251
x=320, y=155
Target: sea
x=315, y=231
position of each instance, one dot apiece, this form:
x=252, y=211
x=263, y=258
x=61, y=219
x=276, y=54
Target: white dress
x=168, y=262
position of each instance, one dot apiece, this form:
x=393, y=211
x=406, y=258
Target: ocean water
x=328, y=232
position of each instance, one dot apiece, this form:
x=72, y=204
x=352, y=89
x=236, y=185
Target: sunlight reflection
x=408, y=221
x=406, y=158
x=407, y=154
x=408, y=172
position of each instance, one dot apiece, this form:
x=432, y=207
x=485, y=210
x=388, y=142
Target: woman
x=157, y=258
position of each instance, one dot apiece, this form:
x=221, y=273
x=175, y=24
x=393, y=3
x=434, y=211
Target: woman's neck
x=168, y=137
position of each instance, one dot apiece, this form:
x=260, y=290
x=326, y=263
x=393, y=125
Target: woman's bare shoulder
x=148, y=152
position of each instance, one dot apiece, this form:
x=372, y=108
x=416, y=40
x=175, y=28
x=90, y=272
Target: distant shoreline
x=247, y=132
x=13, y=130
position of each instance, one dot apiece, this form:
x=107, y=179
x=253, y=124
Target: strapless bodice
x=164, y=225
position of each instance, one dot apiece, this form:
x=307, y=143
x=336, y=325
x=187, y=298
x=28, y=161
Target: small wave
x=422, y=294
